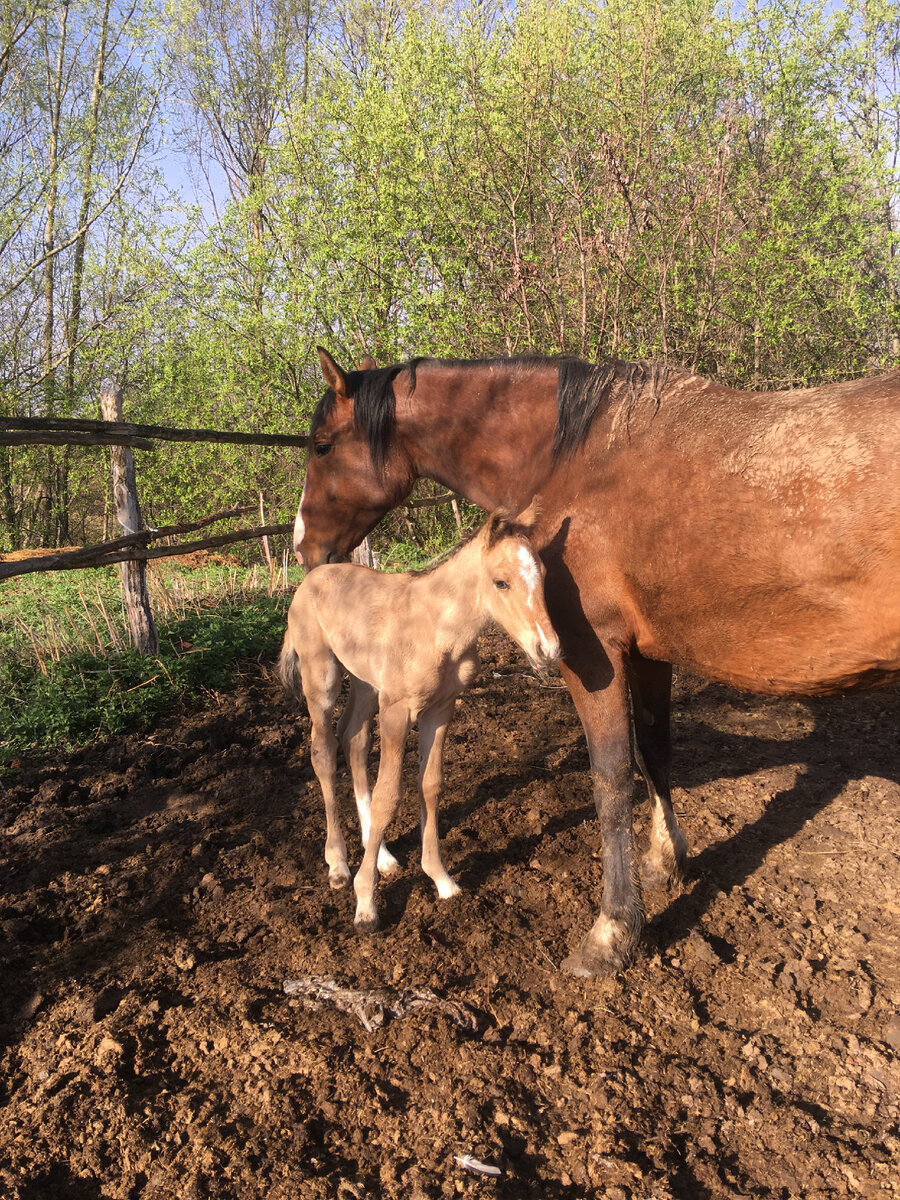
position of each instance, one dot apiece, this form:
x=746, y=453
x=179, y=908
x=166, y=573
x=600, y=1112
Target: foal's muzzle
x=544, y=655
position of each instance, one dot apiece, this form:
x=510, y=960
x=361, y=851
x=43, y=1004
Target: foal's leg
x=320, y=674
x=605, y=714
x=394, y=721
x=664, y=862
x=355, y=733
x=433, y=725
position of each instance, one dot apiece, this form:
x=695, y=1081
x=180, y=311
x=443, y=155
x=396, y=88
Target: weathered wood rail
x=18, y=431
x=133, y=549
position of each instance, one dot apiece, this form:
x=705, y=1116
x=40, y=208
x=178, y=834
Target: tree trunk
x=55, y=93
x=87, y=196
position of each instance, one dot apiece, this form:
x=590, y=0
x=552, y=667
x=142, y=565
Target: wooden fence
x=134, y=548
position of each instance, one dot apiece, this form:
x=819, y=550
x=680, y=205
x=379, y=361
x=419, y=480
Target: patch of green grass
x=68, y=675
x=408, y=556
x=83, y=696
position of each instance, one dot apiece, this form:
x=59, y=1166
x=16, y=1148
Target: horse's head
x=514, y=584
x=356, y=471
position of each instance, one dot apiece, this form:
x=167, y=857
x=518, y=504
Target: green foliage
x=83, y=696
x=713, y=185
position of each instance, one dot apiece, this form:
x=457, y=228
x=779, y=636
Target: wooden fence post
x=363, y=554
x=135, y=596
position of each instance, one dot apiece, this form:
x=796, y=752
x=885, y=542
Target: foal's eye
x=321, y=449
x=501, y=585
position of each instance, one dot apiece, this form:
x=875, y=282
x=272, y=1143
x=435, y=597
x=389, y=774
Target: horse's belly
x=795, y=647
x=804, y=678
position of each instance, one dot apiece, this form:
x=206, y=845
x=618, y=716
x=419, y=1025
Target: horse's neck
x=485, y=432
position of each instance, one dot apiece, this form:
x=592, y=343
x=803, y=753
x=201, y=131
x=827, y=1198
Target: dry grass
x=50, y=617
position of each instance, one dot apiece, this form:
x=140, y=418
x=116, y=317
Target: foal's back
x=403, y=634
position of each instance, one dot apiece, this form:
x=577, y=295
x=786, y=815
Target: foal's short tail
x=289, y=669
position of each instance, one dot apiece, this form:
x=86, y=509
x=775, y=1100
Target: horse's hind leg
x=355, y=734
x=664, y=862
x=321, y=676
x=433, y=726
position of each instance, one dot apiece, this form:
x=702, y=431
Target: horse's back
x=757, y=535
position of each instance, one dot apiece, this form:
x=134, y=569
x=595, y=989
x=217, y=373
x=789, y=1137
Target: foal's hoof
x=338, y=877
x=592, y=966
x=447, y=888
x=387, y=864
x=366, y=924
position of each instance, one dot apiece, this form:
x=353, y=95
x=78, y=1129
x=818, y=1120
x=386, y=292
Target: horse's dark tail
x=289, y=669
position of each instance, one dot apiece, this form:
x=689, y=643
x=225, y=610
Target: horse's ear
x=335, y=376
x=528, y=518
x=497, y=525
x=366, y=363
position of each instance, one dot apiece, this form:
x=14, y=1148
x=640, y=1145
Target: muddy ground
x=157, y=893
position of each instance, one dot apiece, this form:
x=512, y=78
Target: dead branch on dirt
x=372, y=1007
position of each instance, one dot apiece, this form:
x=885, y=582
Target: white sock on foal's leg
x=387, y=864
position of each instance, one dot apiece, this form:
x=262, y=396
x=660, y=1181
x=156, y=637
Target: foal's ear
x=497, y=525
x=528, y=518
x=335, y=376
x=366, y=363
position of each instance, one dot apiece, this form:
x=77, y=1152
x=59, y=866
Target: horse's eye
x=501, y=585
x=321, y=449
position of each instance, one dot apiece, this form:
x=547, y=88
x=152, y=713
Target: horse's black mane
x=582, y=389
x=372, y=393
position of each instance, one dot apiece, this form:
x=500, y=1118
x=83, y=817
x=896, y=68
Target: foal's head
x=513, y=584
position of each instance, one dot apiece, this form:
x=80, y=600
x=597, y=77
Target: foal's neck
x=455, y=590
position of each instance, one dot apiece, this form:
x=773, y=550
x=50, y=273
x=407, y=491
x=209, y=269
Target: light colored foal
x=408, y=642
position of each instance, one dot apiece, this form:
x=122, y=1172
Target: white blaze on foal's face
x=530, y=572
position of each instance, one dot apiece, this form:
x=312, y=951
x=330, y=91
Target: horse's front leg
x=651, y=686
x=433, y=725
x=606, y=717
x=394, y=721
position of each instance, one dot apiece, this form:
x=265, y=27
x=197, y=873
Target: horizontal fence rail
x=135, y=545
x=131, y=548
x=17, y=431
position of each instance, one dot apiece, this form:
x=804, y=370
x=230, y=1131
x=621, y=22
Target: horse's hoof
x=655, y=877
x=338, y=879
x=366, y=925
x=605, y=950
x=447, y=889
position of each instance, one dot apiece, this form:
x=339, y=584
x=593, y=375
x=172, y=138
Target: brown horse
x=408, y=642
x=751, y=537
